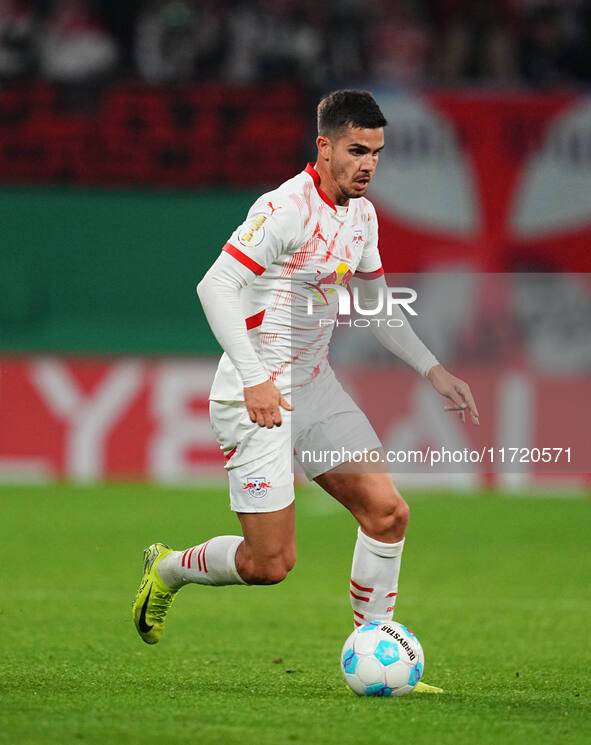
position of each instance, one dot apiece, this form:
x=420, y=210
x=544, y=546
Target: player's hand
x=456, y=390
x=263, y=402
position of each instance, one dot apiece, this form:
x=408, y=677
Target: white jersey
x=300, y=245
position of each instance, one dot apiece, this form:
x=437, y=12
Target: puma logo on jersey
x=273, y=209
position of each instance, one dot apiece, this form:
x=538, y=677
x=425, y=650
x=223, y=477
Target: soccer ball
x=382, y=659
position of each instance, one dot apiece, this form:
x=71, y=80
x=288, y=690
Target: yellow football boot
x=426, y=688
x=153, y=598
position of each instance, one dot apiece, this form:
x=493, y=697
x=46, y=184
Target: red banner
x=491, y=182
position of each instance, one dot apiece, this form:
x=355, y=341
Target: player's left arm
x=402, y=340
x=456, y=390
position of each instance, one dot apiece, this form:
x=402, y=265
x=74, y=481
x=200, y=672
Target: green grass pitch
x=496, y=588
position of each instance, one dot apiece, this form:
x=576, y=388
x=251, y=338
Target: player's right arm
x=219, y=292
x=252, y=247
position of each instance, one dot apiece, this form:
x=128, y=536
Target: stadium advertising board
x=92, y=419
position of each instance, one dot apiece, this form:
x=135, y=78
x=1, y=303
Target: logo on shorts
x=257, y=486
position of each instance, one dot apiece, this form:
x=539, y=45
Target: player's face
x=352, y=159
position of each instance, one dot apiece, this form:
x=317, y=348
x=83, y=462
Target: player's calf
x=377, y=557
x=384, y=518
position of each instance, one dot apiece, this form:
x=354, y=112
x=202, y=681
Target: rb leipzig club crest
x=257, y=486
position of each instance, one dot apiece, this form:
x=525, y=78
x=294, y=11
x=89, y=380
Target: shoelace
x=160, y=603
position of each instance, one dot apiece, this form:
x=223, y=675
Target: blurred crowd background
x=494, y=42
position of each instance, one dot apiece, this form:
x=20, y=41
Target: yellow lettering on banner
x=247, y=237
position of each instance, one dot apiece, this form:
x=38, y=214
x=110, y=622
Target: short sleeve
x=272, y=228
x=370, y=265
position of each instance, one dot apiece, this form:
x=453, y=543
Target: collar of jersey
x=311, y=171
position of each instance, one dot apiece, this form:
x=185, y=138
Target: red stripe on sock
x=358, y=597
x=391, y=594
x=184, y=557
x=358, y=587
x=203, y=551
x=358, y=614
x=189, y=557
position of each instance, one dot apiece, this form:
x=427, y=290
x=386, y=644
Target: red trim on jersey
x=359, y=615
x=391, y=594
x=363, y=589
x=243, y=258
x=189, y=557
x=311, y=171
x=357, y=622
x=184, y=557
x=370, y=275
x=253, y=321
x=230, y=454
x=358, y=597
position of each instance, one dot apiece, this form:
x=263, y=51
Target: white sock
x=209, y=563
x=374, y=579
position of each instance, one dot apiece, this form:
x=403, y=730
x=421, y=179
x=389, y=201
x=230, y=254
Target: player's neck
x=329, y=186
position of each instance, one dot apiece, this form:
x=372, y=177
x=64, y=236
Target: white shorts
x=324, y=429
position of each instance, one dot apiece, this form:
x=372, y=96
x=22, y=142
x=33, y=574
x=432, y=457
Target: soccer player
x=275, y=394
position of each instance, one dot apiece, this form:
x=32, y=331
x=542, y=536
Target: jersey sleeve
x=273, y=227
x=370, y=265
x=219, y=292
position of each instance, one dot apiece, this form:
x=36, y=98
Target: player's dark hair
x=346, y=108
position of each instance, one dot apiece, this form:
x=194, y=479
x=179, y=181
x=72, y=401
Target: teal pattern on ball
x=378, y=689
x=350, y=661
x=415, y=674
x=387, y=652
